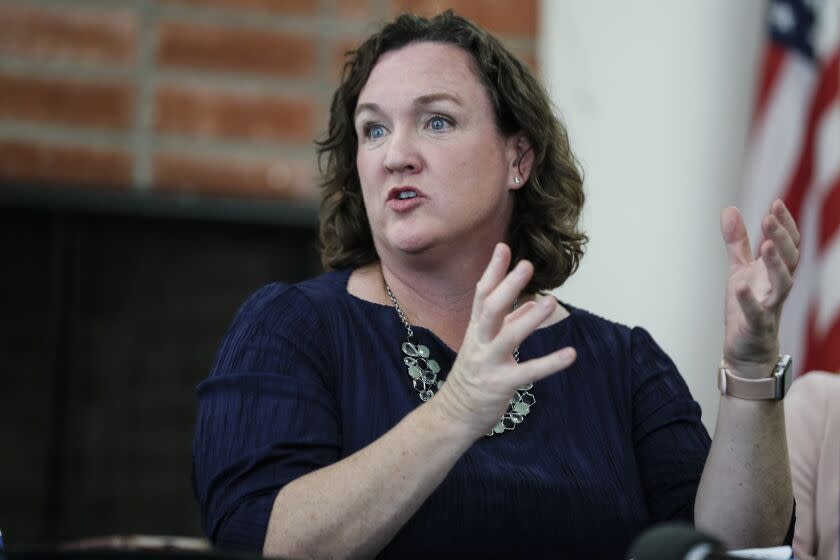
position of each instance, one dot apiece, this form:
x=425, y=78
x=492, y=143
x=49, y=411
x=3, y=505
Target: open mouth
x=404, y=193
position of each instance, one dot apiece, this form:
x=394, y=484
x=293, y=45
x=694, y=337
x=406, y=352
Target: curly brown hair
x=544, y=225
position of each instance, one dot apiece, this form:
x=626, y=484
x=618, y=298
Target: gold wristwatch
x=771, y=388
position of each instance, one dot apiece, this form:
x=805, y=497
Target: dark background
x=113, y=307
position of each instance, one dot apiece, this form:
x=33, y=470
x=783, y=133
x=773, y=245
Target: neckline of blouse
x=560, y=326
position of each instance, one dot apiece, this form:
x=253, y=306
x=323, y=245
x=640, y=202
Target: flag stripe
x=827, y=150
x=774, y=148
x=827, y=283
x=823, y=352
x=774, y=56
x=830, y=216
x=823, y=97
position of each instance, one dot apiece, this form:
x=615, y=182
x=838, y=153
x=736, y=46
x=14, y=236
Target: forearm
x=745, y=495
x=354, y=507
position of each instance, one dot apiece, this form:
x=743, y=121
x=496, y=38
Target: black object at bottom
x=108, y=554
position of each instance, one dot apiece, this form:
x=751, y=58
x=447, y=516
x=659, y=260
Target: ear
x=520, y=157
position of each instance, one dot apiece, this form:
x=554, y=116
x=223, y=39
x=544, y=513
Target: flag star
x=782, y=17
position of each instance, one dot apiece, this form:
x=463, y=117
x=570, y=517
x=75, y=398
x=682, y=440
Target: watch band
x=773, y=387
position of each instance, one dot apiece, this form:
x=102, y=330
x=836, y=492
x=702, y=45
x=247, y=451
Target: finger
x=735, y=236
x=500, y=301
x=780, y=210
x=780, y=276
x=493, y=274
x=753, y=310
x=540, y=368
x=782, y=241
x=515, y=331
x=519, y=312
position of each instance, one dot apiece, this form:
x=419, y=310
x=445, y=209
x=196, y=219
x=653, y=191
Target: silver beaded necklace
x=423, y=371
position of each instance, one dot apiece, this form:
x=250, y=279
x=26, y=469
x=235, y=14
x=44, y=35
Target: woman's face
x=434, y=170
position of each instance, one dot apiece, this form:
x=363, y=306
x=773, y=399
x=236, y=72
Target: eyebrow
x=421, y=101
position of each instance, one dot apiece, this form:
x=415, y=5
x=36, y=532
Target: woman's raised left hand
x=757, y=288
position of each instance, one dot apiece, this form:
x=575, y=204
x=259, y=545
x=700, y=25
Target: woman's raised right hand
x=485, y=376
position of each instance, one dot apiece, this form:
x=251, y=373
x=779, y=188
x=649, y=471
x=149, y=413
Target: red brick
x=227, y=114
x=232, y=176
x=355, y=9
x=67, y=33
x=516, y=17
x=218, y=48
x=66, y=101
x=299, y=7
x=62, y=165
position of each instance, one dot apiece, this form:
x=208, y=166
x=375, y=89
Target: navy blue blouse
x=308, y=374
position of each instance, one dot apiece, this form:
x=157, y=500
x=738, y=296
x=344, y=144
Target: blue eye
x=438, y=123
x=375, y=131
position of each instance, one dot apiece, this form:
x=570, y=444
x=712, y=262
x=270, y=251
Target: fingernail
x=497, y=252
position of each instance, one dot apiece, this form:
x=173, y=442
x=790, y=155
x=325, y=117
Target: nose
x=402, y=155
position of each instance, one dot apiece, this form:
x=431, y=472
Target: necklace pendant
x=521, y=408
x=415, y=350
x=423, y=372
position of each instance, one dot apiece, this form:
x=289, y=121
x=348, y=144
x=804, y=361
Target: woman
x=813, y=421
x=323, y=430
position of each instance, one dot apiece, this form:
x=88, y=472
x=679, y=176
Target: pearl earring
x=517, y=180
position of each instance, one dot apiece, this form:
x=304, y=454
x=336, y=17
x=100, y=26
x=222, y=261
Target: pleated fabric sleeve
x=266, y=415
x=670, y=440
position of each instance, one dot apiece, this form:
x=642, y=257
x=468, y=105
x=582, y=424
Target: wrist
x=766, y=383
x=442, y=414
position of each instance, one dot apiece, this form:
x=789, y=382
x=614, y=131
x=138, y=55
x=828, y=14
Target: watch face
x=783, y=370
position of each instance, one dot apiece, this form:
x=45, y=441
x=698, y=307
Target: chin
x=411, y=246
x=411, y=241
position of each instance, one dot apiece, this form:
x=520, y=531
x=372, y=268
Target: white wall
x=657, y=96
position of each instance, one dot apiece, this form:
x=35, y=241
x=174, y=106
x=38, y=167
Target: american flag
x=794, y=154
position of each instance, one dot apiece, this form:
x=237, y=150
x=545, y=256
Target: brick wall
x=208, y=96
